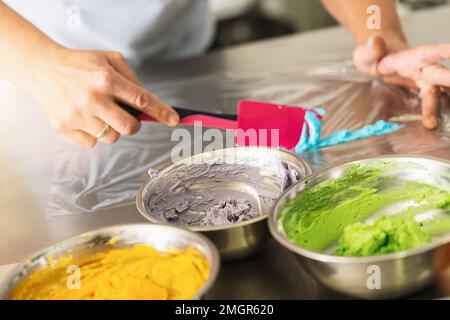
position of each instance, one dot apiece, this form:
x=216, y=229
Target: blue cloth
x=311, y=134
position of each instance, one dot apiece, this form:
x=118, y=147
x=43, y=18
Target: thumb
x=367, y=56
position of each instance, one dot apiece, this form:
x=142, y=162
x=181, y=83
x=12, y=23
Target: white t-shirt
x=164, y=29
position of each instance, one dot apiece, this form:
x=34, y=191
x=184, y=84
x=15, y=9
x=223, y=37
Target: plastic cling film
x=109, y=176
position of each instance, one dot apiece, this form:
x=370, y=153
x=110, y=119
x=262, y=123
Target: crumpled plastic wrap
x=86, y=181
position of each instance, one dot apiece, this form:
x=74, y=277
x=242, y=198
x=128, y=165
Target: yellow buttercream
x=139, y=272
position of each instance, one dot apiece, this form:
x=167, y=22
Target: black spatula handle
x=181, y=112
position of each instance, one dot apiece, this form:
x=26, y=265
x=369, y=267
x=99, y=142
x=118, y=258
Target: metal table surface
x=218, y=80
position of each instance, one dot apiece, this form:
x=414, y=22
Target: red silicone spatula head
x=258, y=123
x=271, y=125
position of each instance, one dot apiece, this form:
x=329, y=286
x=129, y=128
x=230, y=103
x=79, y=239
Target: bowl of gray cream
x=226, y=194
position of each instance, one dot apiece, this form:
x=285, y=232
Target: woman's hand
x=414, y=68
x=78, y=89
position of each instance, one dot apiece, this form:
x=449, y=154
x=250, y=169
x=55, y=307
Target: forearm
x=354, y=16
x=22, y=47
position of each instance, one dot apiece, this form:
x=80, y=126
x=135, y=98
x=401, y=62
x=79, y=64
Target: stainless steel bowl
x=400, y=273
x=160, y=237
x=239, y=240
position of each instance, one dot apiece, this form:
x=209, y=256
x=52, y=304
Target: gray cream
x=213, y=194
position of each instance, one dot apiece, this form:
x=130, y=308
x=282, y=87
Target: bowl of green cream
x=374, y=228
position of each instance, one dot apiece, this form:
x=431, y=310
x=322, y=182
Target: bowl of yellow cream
x=129, y=262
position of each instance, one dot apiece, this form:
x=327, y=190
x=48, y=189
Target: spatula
x=256, y=123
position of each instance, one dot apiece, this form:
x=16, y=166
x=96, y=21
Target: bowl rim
x=154, y=220
x=324, y=257
x=215, y=261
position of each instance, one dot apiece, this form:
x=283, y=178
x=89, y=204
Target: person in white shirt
x=77, y=70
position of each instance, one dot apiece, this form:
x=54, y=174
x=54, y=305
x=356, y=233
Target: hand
x=78, y=89
x=414, y=68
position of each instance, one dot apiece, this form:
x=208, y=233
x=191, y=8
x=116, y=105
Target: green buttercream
x=317, y=217
x=386, y=235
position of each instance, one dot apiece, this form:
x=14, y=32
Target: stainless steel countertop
x=27, y=146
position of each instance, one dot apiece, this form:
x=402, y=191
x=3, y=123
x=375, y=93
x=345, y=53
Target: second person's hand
x=415, y=68
x=78, y=90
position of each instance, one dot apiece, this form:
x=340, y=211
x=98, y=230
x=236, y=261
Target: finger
x=120, y=64
x=415, y=58
x=400, y=81
x=94, y=126
x=367, y=56
x=79, y=138
x=431, y=54
x=139, y=98
x=430, y=105
x=436, y=75
x=117, y=118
